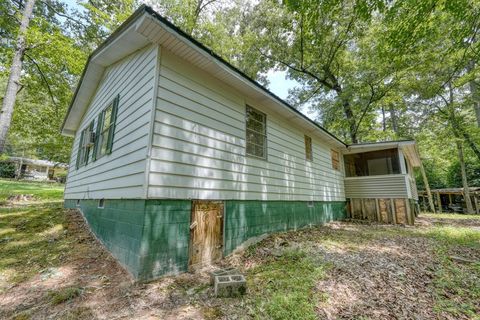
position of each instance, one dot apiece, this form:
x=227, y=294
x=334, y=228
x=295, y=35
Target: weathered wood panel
x=401, y=211
x=385, y=210
x=206, y=233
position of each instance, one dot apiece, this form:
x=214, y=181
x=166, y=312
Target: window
x=335, y=160
x=101, y=203
x=256, y=133
x=106, y=130
x=308, y=148
x=84, y=146
x=372, y=163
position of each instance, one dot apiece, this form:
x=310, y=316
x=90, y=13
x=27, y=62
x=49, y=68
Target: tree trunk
x=466, y=191
x=13, y=83
x=347, y=110
x=384, y=121
x=351, y=121
x=427, y=188
x=475, y=94
x=393, y=118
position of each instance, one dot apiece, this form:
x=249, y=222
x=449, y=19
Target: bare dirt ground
x=344, y=270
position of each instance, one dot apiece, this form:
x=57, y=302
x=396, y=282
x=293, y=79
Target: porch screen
x=372, y=163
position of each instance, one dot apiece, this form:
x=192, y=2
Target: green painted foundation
x=151, y=237
x=247, y=219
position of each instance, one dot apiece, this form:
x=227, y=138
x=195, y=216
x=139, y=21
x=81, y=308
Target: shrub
x=7, y=169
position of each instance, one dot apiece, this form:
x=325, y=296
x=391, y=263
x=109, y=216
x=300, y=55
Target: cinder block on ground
x=230, y=285
x=222, y=272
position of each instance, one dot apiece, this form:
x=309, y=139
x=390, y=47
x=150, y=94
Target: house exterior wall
x=198, y=146
x=120, y=174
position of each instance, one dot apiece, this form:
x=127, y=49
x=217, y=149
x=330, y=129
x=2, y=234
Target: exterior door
x=206, y=233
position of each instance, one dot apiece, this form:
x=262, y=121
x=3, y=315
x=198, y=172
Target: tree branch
x=322, y=81
x=44, y=78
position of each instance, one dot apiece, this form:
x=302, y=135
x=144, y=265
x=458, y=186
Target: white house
x=179, y=157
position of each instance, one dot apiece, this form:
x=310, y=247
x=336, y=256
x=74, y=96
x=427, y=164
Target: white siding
x=383, y=186
x=198, y=146
x=122, y=173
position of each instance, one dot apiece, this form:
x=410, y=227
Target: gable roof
x=146, y=26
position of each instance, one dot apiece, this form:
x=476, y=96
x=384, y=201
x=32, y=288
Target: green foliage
x=284, y=288
x=7, y=169
x=454, y=179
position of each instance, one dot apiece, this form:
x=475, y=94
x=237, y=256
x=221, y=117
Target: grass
x=32, y=237
x=284, y=287
x=64, y=294
x=451, y=216
x=39, y=190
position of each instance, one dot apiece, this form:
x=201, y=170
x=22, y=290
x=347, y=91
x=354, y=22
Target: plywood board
x=400, y=211
x=206, y=233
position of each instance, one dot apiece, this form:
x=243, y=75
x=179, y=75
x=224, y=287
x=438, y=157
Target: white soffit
x=123, y=45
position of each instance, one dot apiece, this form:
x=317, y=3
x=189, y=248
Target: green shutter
x=113, y=119
x=79, y=150
x=92, y=124
x=97, y=135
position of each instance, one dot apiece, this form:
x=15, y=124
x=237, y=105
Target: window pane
x=250, y=149
x=103, y=146
x=254, y=114
x=308, y=148
x=107, y=117
x=260, y=151
x=256, y=139
x=256, y=126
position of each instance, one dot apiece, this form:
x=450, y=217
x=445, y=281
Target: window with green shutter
x=84, y=145
x=106, y=129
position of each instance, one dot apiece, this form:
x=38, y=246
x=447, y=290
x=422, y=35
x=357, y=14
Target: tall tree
x=13, y=83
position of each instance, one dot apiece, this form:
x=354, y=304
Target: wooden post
x=378, y=213
x=394, y=212
x=477, y=205
x=439, y=200
x=427, y=187
x=450, y=199
x=408, y=212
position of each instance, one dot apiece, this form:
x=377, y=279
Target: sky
x=279, y=84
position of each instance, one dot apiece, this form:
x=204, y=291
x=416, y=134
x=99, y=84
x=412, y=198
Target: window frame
x=84, y=147
x=336, y=165
x=105, y=134
x=308, y=148
x=264, y=134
